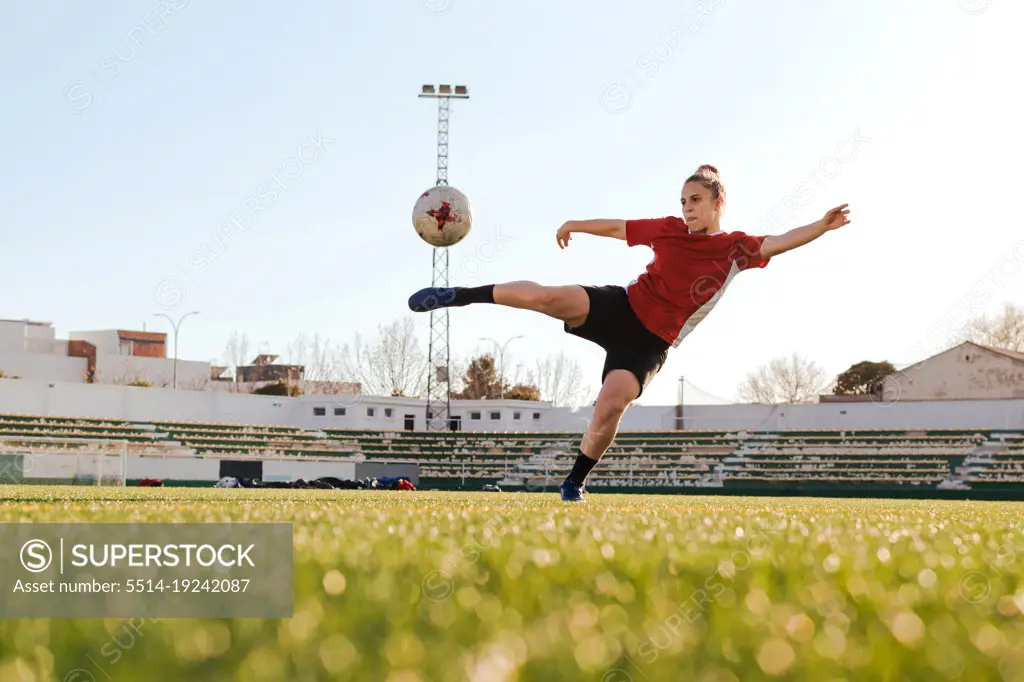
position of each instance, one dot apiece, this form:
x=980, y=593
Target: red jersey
x=688, y=274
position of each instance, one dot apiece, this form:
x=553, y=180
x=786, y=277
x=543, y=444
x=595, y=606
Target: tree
x=1005, y=331
x=560, y=381
x=236, y=352
x=480, y=382
x=392, y=364
x=792, y=379
x=863, y=378
x=523, y=392
x=323, y=365
x=320, y=359
x=457, y=372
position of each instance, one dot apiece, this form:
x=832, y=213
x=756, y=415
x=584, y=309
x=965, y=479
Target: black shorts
x=612, y=324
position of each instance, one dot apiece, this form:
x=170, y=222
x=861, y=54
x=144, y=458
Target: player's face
x=700, y=210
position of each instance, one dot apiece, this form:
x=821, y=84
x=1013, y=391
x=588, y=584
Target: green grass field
x=488, y=587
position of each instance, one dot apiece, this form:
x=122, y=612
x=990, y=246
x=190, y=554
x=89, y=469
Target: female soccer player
x=694, y=260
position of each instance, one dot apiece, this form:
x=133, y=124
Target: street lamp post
x=176, y=326
x=501, y=360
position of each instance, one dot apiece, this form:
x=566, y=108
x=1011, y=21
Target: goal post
x=47, y=460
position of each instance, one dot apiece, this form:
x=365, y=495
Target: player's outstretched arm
x=773, y=245
x=601, y=227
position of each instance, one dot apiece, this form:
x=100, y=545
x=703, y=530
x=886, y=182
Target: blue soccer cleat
x=572, y=492
x=431, y=298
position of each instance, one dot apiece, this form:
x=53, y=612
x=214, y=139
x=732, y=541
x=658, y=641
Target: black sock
x=581, y=468
x=483, y=294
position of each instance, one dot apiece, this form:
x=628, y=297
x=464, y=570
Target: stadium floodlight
x=445, y=91
x=438, y=357
x=176, y=326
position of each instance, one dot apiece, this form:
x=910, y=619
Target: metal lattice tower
x=439, y=358
x=443, y=106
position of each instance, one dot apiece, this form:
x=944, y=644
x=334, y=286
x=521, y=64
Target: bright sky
x=122, y=163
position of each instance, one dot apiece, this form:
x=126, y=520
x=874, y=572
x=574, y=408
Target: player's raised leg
x=620, y=388
x=569, y=304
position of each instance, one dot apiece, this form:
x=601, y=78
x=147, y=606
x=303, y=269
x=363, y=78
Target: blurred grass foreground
x=489, y=587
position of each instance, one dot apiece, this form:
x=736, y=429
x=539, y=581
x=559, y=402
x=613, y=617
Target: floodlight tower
x=438, y=378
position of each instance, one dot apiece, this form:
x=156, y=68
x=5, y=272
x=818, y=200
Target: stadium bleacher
x=249, y=439
x=799, y=462
x=793, y=461
x=31, y=426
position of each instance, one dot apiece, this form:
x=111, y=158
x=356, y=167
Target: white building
x=359, y=411
x=30, y=350
x=130, y=357
x=136, y=404
x=968, y=371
